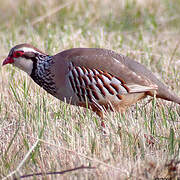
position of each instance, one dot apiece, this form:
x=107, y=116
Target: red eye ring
x=17, y=54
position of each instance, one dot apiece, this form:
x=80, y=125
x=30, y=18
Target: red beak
x=8, y=60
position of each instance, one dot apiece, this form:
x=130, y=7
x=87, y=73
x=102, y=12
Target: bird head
x=23, y=56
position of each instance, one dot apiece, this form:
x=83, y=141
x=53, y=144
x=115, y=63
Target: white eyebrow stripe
x=27, y=49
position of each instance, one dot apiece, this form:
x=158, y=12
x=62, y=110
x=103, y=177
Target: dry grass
x=144, y=144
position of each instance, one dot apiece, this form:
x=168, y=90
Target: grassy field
x=38, y=133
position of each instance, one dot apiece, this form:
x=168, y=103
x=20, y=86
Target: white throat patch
x=24, y=64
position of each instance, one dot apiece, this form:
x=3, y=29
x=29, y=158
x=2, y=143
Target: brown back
x=123, y=67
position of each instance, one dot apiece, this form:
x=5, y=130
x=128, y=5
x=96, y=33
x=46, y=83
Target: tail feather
x=160, y=89
x=136, y=88
x=164, y=93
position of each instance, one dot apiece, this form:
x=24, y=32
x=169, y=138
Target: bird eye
x=17, y=54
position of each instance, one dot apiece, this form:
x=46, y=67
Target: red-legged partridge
x=100, y=78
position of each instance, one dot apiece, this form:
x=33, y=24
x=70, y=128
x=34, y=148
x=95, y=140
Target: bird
x=94, y=78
